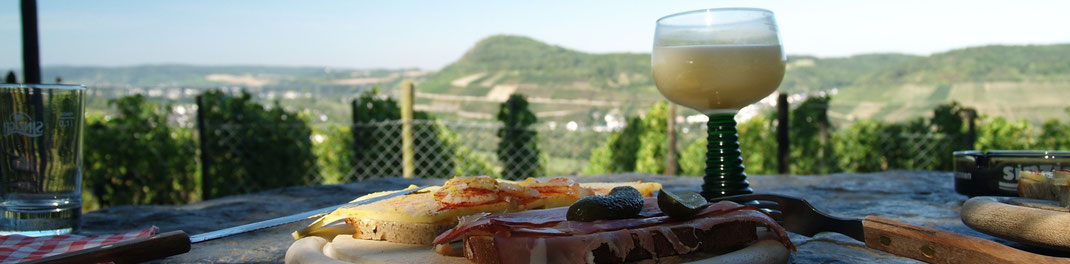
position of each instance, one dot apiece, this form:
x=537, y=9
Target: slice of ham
x=553, y=223
x=578, y=248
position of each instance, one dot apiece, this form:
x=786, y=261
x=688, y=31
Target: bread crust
x=398, y=232
x=720, y=239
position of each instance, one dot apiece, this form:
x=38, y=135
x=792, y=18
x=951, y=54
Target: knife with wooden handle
x=899, y=238
x=128, y=251
x=936, y=246
x=178, y=242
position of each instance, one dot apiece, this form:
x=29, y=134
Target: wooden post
x=782, y=133
x=670, y=132
x=408, y=90
x=31, y=57
x=202, y=136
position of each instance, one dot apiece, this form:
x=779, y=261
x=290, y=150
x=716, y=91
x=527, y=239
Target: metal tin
x=997, y=172
x=967, y=164
x=1005, y=166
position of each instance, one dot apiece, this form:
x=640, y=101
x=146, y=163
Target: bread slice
x=1037, y=185
x=400, y=232
x=719, y=239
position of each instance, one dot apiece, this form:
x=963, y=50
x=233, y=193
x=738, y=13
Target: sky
x=431, y=34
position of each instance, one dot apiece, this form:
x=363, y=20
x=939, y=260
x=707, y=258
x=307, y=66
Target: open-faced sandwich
x=1053, y=185
x=620, y=227
x=419, y=217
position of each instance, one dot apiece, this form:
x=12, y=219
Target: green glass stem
x=724, y=165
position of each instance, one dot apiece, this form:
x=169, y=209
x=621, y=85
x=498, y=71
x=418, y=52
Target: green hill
x=499, y=65
x=521, y=60
x=1018, y=82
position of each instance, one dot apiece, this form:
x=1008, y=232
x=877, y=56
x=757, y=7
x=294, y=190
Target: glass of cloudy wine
x=717, y=61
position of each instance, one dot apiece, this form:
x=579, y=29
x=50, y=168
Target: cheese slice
x=423, y=206
x=603, y=188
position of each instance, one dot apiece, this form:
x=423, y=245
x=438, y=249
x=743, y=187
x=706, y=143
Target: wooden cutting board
x=344, y=249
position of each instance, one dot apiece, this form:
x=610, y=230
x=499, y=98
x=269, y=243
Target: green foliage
x=334, y=154
x=897, y=148
x=858, y=147
x=950, y=120
x=619, y=152
x=639, y=147
x=517, y=149
x=1000, y=134
x=367, y=145
x=250, y=147
x=372, y=141
x=693, y=159
x=136, y=158
x=466, y=161
x=757, y=142
x=653, y=141
x=432, y=148
x=809, y=133
x=1054, y=136
x=10, y=77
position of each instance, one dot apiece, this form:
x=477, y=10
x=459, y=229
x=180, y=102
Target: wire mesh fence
x=446, y=149
x=229, y=156
x=442, y=149
x=914, y=151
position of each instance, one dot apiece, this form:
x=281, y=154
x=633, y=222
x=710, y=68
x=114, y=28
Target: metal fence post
x=202, y=135
x=782, y=133
x=407, y=159
x=31, y=57
x=354, y=132
x=670, y=157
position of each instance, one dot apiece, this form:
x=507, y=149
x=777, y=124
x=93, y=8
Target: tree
x=757, y=142
x=1001, y=134
x=1054, y=135
x=618, y=154
x=10, y=78
x=949, y=120
x=859, y=147
x=809, y=132
x=517, y=150
x=376, y=140
x=136, y=158
x=249, y=147
x=653, y=142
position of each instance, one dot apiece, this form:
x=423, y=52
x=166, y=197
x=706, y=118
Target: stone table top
x=917, y=197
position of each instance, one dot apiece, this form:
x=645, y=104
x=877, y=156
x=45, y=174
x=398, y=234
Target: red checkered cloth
x=18, y=248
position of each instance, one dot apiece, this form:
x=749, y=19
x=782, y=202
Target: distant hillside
x=1019, y=82
x=1032, y=63
x=500, y=65
x=193, y=76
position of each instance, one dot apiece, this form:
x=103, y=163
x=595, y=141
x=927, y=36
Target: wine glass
x=717, y=61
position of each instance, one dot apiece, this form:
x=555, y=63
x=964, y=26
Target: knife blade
x=178, y=242
x=290, y=218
